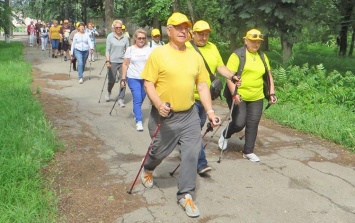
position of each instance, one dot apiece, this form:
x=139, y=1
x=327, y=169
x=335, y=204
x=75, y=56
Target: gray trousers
x=247, y=114
x=183, y=129
x=111, y=76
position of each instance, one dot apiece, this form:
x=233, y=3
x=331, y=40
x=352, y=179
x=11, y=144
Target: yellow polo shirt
x=175, y=74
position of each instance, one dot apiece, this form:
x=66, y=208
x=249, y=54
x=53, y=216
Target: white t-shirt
x=138, y=57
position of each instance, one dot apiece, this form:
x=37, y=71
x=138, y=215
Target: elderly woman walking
x=247, y=104
x=80, y=49
x=116, y=46
x=132, y=67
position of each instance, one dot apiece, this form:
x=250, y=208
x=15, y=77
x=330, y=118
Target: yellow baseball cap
x=77, y=24
x=155, y=32
x=254, y=34
x=123, y=26
x=178, y=18
x=201, y=26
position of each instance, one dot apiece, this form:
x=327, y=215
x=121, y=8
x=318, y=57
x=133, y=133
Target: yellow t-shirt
x=251, y=88
x=54, y=32
x=212, y=57
x=174, y=74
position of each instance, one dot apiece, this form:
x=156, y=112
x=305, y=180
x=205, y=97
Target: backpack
x=240, y=52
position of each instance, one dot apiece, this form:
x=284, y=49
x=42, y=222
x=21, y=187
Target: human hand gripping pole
x=150, y=147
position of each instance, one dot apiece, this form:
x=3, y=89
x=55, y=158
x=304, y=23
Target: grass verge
x=27, y=143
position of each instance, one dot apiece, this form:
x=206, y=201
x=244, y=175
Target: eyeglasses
x=181, y=28
x=141, y=38
x=254, y=36
x=118, y=27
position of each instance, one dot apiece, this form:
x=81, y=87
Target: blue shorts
x=55, y=43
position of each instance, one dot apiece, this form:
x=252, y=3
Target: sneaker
x=93, y=60
x=52, y=55
x=65, y=58
x=252, y=157
x=81, y=80
x=204, y=169
x=222, y=142
x=107, y=96
x=147, y=178
x=55, y=56
x=189, y=207
x=121, y=103
x=139, y=126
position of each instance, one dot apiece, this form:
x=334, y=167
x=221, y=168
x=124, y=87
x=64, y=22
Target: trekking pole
x=149, y=148
x=103, y=87
x=122, y=88
x=225, y=133
x=97, y=56
x=208, y=129
x=102, y=68
x=70, y=63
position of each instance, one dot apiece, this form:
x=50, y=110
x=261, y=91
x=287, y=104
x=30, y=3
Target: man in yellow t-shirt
x=170, y=74
x=201, y=33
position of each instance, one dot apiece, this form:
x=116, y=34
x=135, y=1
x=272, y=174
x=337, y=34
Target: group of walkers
x=177, y=77
x=76, y=43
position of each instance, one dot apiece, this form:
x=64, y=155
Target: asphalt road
x=299, y=178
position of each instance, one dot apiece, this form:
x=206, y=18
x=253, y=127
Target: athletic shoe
x=222, y=142
x=52, y=55
x=81, y=80
x=204, y=169
x=65, y=58
x=107, y=96
x=189, y=207
x=139, y=126
x=55, y=56
x=252, y=157
x=121, y=103
x=147, y=178
x=93, y=60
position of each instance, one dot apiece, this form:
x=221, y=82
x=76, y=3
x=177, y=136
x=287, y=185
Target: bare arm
x=125, y=65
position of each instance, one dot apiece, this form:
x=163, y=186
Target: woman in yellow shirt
x=54, y=37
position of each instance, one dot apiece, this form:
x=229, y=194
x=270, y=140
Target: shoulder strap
x=150, y=43
x=240, y=52
x=207, y=67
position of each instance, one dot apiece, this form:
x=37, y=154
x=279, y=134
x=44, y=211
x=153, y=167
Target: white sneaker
x=93, y=60
x=147, y=178
x=121, y=103
x=107, y=96
x=189, y=206
x=222, y=142
x=81, y=80
x=252, y=157
x=139, y=126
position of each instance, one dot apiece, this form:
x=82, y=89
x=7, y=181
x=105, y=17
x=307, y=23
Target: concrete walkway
x=299, y=178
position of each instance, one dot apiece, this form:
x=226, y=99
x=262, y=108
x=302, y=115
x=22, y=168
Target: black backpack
x=240, y=52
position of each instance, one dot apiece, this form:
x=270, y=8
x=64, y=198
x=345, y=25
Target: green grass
x=27, y=143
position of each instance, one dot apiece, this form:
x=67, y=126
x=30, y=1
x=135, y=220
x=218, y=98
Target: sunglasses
x=254, y=36
x=141, y=38
x=118, y=27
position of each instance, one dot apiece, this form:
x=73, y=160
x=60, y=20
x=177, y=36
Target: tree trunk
x=108, y=16
x=7, y=22
x=191, y=11
x=175, y=6
x=286, y=50
x=351, y=50
x=345, y=23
